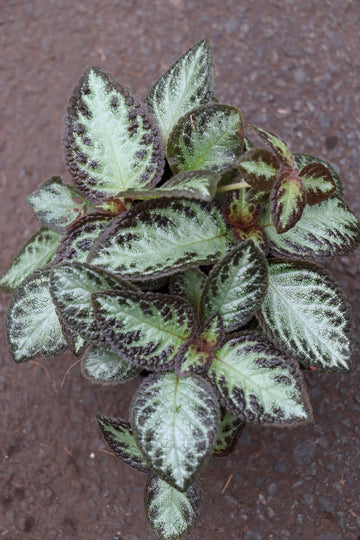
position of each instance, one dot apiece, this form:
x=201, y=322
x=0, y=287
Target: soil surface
x=292, y=67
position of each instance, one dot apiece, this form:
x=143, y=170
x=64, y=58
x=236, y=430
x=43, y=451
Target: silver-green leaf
x=111, y=141
x=120, y=438
x=171, y=513
x=148, y=329
x=307, y=315
x=72, y=284
x=54, y=206
x=236, y=286
x=188, y=83
x=210, y=137
x=175, y=421
x=37, y=252
x=32, y=325
x=189, y=285
x=161, y=237
x=100, y=364
x=259, y=383
x=326, y=230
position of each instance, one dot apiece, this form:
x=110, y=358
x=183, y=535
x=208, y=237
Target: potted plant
x=185, y=249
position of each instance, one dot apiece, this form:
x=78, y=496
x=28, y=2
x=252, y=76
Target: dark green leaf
x=230, y=430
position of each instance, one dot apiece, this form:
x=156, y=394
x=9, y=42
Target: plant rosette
x=187, y=246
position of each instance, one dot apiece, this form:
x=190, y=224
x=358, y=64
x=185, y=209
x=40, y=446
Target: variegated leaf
x=318, y=182
x=238, y=211
x=196, y=355
x=171, y=514
x=257, y=382
x=37, y=252
x=255, y=233
x=301, y=160
x=148, y=329
x=175, y=421
x=259, y=168
x=256, y=197
x=76, y=244
x=111, y=141
x=76, y=343
x=326, y=230
x=276, y=143
x=54, y=204
x=100, y=364
x=189, y=285
x=119, y=436
x=287, y=202
x=32, y=326
x=236, y=286
x=161, y=237
x=230, y=430
x=72, y=284
x=188, y=83
x=307, y=315
x=199, y=185
x=210, y=137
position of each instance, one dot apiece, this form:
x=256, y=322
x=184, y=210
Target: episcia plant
x=185, y=250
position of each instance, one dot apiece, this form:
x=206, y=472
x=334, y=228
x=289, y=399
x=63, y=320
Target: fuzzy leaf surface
x=188, y=83
x=37, y=252
x=259, y=168
x=171, y=514
x=287, y=202
x=119, y=436
x=189, y=285
x=76, y=244
x=307, y=315
x=53, y=204
x=276, y=143
x=326, y=230
x=111, y=141
x=76, y=343
x=301, y=160
x=100, y=364
x=146, y=328
x=210, y=137
x=72, y=284
x=236, y=286
x=238, y=211
x=175, y=421
x=32, y=325
x=161, y=237
x=255, y=233
x=318, y=182
x=199, y=185
x=257, y=382
x=230, y=430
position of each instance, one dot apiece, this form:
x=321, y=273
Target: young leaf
x=111, y=141
x=161, y=237
x=37, y=252
x=306, y=314
x=259, y=168
x=53, y=204
x=148, y=329
x=189, y=285
x=318, y=182
x=257, y=382
x=287, y=202
x=170, y=513
x=301, y=160
x=77, y=242
x=236, y=286
x=326, y=230
x=175, y=421
x=199, y=185
x=230, y=430
x=120, y=438
x=100, y=364
x=33, y=328
x=276, y=143
x=71, y=286
x=188, y=83
x=255, y=233
x=210, y=137
x=238, y=211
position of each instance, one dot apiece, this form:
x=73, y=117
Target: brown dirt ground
x=292, y=67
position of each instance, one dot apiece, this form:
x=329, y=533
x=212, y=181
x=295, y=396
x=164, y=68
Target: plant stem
x=230, y=187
